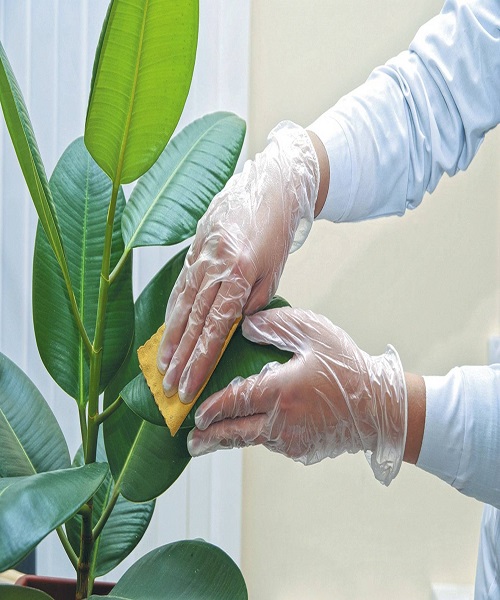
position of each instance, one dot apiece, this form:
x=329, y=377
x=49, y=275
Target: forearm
x=324, y=169
x=415, y=389
x=422, y=114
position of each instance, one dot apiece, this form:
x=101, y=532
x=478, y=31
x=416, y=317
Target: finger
x=281, y=327
x=242, y=397
x=176, y=317
x=206, y=345
x=186, y=334
x=180, y=284
x=238, y=433
x=201, y=281
x=259, y=296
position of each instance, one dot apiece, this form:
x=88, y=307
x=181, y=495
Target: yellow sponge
x=173, y=410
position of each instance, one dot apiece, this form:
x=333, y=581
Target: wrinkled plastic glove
x=238, y=254
x=329, y=398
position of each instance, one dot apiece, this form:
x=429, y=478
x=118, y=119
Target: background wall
x=427, y=283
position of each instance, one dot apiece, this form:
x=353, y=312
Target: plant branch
x=101, y=417
x=67, y=547
x=97, y=350
x=86, y=546
x=106, y=513
x=119, y=265
x=83, y=426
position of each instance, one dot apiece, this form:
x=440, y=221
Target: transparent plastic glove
x=238, y=255
x=330, y=398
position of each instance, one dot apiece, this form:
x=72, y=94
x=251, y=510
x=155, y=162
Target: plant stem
x=67, y=547
x=96, y=356
x=83, y=426
x=86, y=545
x=101, y=417
x=105, y=515
x=119, y=265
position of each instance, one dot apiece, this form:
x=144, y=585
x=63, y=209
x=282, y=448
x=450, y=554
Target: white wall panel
x=51, y=44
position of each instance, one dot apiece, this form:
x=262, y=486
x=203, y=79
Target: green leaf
x=31, y=507
x=144, y=69
x=169, y=200
x=139, y=399
x=81, y=194
x=125, y=526
x=185, y=570
x=242, y=358
x=98, y=51
x=16, y=592
x=146, y=457
x=24, y=142
x=143, y=457
x=31, y=439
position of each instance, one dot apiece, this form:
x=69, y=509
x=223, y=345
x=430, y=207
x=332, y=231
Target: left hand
x=329, y=398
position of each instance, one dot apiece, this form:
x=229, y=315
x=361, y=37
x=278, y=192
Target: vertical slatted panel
x=51, y=44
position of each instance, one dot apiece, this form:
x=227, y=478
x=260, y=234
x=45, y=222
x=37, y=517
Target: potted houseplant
x=88, y=326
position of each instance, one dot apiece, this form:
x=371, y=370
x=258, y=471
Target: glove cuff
x=300, y=169
x=391, y=417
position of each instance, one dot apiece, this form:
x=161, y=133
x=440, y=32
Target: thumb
x=279, y=327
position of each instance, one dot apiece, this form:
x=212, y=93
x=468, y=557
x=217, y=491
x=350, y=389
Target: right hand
x=238, y=254
x=331, y=397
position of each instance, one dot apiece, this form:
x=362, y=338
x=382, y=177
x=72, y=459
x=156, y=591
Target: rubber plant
x=88, y=326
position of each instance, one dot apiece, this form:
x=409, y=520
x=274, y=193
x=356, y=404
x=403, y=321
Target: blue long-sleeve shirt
x=422, y=114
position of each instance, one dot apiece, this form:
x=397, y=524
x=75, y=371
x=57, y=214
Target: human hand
x=329, y=398
x=238, y=254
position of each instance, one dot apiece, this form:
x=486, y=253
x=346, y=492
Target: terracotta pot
x=61, y=589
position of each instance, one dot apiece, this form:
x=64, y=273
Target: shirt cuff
x=443, y=440
x=461, y=444
x=330, y=132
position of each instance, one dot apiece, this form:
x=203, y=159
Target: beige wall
x=427, y=283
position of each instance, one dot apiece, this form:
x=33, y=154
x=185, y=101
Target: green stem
x=106, y=513
x=86, y=545
x=96, y=356
x=67, y=547
x=101, y=417
x=119, y=265
x=83, y=426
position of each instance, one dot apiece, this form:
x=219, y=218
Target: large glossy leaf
x=143, y=457
x=185, y=570
x=242, y=358
x=23, y=139
x=81, y=194
x=16, y=592
x=144, y=68
x=139, y=399
x=169, y=200
x=123, y=530
x=31, y=439
x=31, y=507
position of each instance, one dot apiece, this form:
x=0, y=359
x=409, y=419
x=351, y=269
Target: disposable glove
x=238, y=254
x=329, y=398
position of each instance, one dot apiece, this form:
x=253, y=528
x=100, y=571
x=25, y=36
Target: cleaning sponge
x=173, y=410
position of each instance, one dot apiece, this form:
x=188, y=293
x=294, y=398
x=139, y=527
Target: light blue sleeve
x=461, y=442
x=422, y=114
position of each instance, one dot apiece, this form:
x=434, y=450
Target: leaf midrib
x=129, y=245
x=83, y=270
x=16, y=437
x=132, y=99
x=128, y=460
